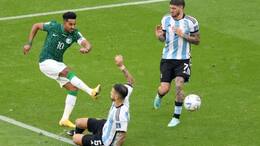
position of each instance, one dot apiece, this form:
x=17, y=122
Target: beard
x=112, y=99
x=176, y=14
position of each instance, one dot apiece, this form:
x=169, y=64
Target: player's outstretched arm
x=34, y=30
x=120, y=138
x=86, y=46
x=120, y=63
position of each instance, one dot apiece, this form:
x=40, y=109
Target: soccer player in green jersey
x=59, y=38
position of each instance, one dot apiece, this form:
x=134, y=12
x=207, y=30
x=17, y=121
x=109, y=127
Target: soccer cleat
x=71, y=132
x=157, y=102
x=96, y=91
x=66, y=123
x=174, y=122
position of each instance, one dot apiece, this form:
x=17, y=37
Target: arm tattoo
x=193, y=38
x=128, y=76
x=119, y=139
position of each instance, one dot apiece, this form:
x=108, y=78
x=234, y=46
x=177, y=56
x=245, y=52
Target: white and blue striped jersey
x=117, y=120
x=177, y=47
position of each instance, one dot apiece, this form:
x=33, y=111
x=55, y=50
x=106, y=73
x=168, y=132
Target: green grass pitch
x=225, y=72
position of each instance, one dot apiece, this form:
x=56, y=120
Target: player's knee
x=163, y=89
x=73, y=88
x=179, y=81
x=78, y=123
x=81, y=123
x=77, y=139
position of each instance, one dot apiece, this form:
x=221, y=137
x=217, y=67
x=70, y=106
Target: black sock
x=160, y=95
x=79, y=130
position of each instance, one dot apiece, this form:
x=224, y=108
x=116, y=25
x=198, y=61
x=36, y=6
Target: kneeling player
x=113, y=130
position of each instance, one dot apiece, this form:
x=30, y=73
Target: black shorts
x=95, y=126
x=171, y=68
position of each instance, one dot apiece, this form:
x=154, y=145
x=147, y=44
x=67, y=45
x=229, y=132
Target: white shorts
x=52, y=68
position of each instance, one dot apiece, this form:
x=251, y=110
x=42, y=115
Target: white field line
x=80, y=9
x=36, y=130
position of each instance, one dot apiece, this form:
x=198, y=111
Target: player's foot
x=174, y=122
x=157, y=102
x=96, y=91
x=66, y=123
x=71, y=132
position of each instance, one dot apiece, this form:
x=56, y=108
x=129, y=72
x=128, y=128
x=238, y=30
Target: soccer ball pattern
x=192, y=102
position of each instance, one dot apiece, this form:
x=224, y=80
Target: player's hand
x=84, y=50
x=159, y=31
x=179, y=32
x=119, y=60
x=26, y=49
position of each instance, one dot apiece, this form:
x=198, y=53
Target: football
x=192, y=102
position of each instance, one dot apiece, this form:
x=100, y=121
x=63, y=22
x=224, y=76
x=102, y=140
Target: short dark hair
x=69, y=15
x=121, y=90
x=178, y=2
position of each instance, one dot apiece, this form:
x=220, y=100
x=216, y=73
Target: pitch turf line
x=36, y=130
x=81, y=9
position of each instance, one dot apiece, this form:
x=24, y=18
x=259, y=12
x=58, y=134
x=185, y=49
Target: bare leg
x=64, y=72
x=75, y=81
x=77, y=139
x=179, y=83
x=68, y=86
x=82, y=123
x=162, y=90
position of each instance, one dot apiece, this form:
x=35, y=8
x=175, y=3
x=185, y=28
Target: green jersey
x=57, y=41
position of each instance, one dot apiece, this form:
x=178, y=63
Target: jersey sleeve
x=48, y=26
x=163, y=23
x=122, y=123
x=194, y=25
x=130, y=90
x=79, y=37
